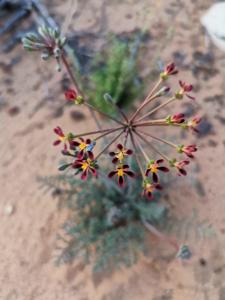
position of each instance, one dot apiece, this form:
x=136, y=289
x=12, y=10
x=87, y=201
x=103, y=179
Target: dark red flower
x=170, y=69
x=149, y=188
x=63, y=138
x=122, y=171
x=72, y=95
x=120, y=154
x=188, y=150
x=175, y=119
x=84, y=146
x=153, y=167
x=86, y=166
x=180, y=166
x=185, y=89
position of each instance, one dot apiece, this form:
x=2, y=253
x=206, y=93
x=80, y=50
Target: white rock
x=9, y=210
x=214, y=22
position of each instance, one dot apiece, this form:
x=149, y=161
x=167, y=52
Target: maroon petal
x=183, y=172
x=130, y=173
x=163, y=169
x=181, y=83
x=125, y=167
x=112, y=173
x=93, y=171
x=121, y=181
x=80, y=154
x=88, y=141
x=58, y=131
x=147, y=172
x=159, y=161
x=120, y=147
x=158, y=187
x=112, y=153
x=75, y=143
x=149, y=195
x=129, y=152
x=190, y=97
x=84, y=175
x=115, y=160
x=90, y=155
x=155, y=177
x=57, y=142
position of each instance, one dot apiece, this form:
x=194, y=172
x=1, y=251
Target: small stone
x=9, y=210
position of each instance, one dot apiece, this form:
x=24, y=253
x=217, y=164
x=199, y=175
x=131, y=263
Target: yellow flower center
x=154, y=168
x=82, y=146
x=62, y=138
x=85, y=165
x=120, y=172
x=149, y=188
x=120, y=155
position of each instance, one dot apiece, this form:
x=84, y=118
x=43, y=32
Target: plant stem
x=76, y=86
x=95, y=132
x=153, y=122
x=147, y=100
x=136, y=155
x=141, y=107
x=151, y=146
x=108, y=145
x=143, y=151
x=106, y=133
x=159, y=139
x=157, y=108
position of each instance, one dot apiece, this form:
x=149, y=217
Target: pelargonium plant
x=134, y=130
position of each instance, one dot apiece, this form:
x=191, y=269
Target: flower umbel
x=51, y=43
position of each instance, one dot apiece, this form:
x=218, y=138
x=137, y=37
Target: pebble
x=9, y=210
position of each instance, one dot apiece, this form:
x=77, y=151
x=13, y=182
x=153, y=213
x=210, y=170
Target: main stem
x=90, y=107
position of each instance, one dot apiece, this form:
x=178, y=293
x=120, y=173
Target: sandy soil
x=31, y=104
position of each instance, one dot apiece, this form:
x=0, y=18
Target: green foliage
x=105, y=228
x=115, y=73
